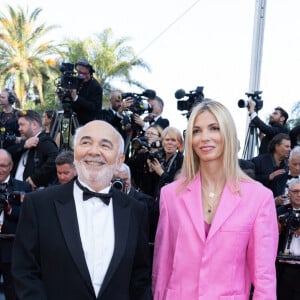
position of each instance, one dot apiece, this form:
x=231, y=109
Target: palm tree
x=24, y=54
x=111, y=58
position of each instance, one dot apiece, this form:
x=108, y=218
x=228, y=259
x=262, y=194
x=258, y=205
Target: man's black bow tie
x=291, y=177
x=87, y=194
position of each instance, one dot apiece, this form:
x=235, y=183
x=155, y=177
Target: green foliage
x=29, y=64
x=294, y=119
x=24, y=54
x=111, y=58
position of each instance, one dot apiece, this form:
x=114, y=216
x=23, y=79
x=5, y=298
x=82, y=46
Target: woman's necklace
x=210, y=200
x=212, y=197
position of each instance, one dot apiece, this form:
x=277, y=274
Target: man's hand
x=297, y=231
x=138, y=120
x=276, y=173
x=74, y=95
x=127, y=102
x=155, y=166
x=282, y=199
x=33, y=186
x=31, y=142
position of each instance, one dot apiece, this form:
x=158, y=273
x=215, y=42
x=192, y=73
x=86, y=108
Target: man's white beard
x=95, y=175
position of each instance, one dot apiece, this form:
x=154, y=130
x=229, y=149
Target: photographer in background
x=144, y=147
x=276, y=125
x=8, y=120
x=10, y=196
x=87, y=99
x=115, y=115
x=122, y=180
x=288, y=269
x=170, y=161
x=153, y=118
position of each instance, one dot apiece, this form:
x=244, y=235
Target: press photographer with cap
x=87, y=99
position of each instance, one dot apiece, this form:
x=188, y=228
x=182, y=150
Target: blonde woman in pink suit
x=217, y=231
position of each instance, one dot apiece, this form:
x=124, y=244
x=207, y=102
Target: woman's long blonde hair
x=191, y=162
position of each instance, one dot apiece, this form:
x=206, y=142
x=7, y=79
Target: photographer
x=10, y=196
x=144, y=147
x=170, y=162
x=8, y=120
x=87, y=99
x=153, y=118
x=276, y=125
x=115, y=115
x=288, y=268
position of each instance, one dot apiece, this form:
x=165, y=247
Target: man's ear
x=282, y=119
x=121, y=159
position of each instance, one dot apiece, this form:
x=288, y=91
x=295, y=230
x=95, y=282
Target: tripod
x=251, y=142
x=65, y=126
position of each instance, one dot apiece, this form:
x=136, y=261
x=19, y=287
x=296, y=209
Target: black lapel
x=66, y=212
x=121, y=209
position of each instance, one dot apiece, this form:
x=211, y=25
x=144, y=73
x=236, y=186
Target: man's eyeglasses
x=2, y=166
x=151, y=134
x=295, y=191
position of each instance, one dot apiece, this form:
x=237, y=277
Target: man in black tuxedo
x=11, y=196
x=35, y=154
x=71, y=247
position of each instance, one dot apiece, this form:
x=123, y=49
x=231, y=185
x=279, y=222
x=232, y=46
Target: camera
x=68, y=81
x=6, y=138
x=194, y=97
x=119, y=184
x=140, y=101
x=290, y=219
x=254, y=97
x=142, y=142
x=8, y=197
x=159, y=154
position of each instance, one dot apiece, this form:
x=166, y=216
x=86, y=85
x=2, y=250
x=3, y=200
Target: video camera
x=194, y=97
x=68, y=81
x=7, y=196
x=140, y=101
x=254, y=97
x=290, y=219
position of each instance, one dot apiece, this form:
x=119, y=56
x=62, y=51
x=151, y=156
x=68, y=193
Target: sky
x=194, y=43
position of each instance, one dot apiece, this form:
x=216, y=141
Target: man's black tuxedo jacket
x=40, y=165
x=48, y=259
